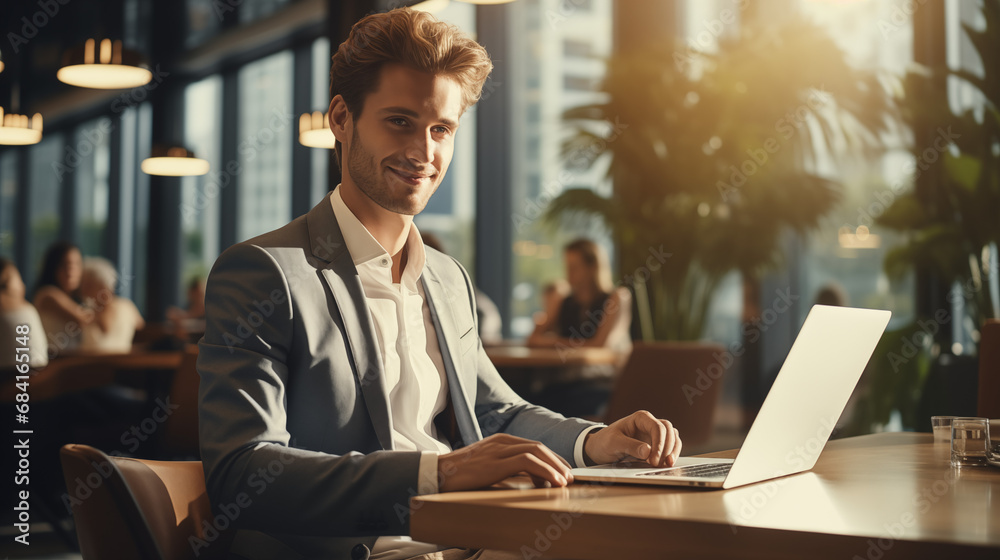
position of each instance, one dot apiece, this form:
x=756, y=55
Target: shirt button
x=385, y=262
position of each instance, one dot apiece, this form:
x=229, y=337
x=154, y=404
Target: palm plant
x=717, y=157
x=951, y=228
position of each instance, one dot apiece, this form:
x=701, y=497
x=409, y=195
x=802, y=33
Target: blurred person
x=592, y=314
x=490, y=322
x=115, y=318
x=588, y=316
x=189, y=324
x=15, y=312
x=195, y=301
x=831, y=294
x=57, y=297
x=553, y=294
x=339, y=348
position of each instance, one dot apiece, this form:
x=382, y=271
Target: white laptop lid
x=811, y=390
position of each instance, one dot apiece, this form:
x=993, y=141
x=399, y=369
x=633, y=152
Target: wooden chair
x=137, y=509
x=679, y=381
x=989, y=370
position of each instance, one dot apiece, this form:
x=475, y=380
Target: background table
x=882, y=496
x=527, y=357
x=530, y=370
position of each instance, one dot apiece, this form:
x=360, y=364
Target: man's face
x=400, y=147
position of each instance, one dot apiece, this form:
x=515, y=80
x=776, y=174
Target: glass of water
x=970, y=441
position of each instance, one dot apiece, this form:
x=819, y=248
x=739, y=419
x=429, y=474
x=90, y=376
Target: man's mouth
x=411, y=177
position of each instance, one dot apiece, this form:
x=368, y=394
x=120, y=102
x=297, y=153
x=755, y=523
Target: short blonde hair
x=413, y=39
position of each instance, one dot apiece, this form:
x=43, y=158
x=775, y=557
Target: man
x=341, y=368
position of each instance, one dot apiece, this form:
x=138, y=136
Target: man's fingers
x=677, y=447
x=659, y=435
x=540, y=451
x=534, y=466
x=670, y=440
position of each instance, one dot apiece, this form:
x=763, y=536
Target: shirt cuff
x=427, y=473
x=578, y=448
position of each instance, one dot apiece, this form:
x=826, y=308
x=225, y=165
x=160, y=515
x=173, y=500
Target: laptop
x=797, y=417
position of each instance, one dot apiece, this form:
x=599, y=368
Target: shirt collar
x=364, y=248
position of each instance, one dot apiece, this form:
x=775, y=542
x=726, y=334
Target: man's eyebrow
x=413, y=114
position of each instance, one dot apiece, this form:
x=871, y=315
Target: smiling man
x=341, y=370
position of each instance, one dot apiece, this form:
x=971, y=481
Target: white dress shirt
x=415, y=379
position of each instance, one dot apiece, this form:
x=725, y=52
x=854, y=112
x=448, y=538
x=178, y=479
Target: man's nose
x=421, y=149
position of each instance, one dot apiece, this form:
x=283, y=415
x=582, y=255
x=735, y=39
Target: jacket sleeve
x=253, y=473
x=500, y=410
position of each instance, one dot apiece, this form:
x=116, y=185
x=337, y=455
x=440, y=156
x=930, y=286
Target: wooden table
x=878, y=497
x=70, y=374
x=527, y=357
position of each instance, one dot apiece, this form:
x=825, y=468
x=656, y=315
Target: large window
x=557, y=66
x=8, y=199
x=200, y=198
x=266, y=133
x=43, y=190
x=320, y=158
x=853, y=259
x=91, y=145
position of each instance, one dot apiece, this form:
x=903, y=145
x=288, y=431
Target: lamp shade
x=314, y=130
x=103, y=65
x=174, y=162
x=19, y=130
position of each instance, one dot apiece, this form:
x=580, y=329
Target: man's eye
x=442, y=130
x=398, y=121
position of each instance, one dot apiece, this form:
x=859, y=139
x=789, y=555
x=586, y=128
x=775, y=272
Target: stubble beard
x=367, y=176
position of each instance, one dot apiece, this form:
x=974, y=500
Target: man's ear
x=340, y=118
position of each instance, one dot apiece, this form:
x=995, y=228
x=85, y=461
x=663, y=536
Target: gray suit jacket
x=294, y=417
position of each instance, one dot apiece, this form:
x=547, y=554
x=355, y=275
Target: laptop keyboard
x=704, y=470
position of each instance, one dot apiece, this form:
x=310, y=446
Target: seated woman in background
x=593, y=314
x=15, y=311
x=115, y=318
x=590, y=315
x=56, y=297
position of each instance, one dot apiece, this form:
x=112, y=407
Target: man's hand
x=498, y=457
x=639, y=436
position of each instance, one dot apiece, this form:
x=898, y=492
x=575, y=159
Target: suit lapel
x=441, y=303
x=327, y=244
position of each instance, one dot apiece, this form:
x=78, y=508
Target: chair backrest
x=180, y=430
x=136, y=509
x=989, y=369
x=679, y=381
